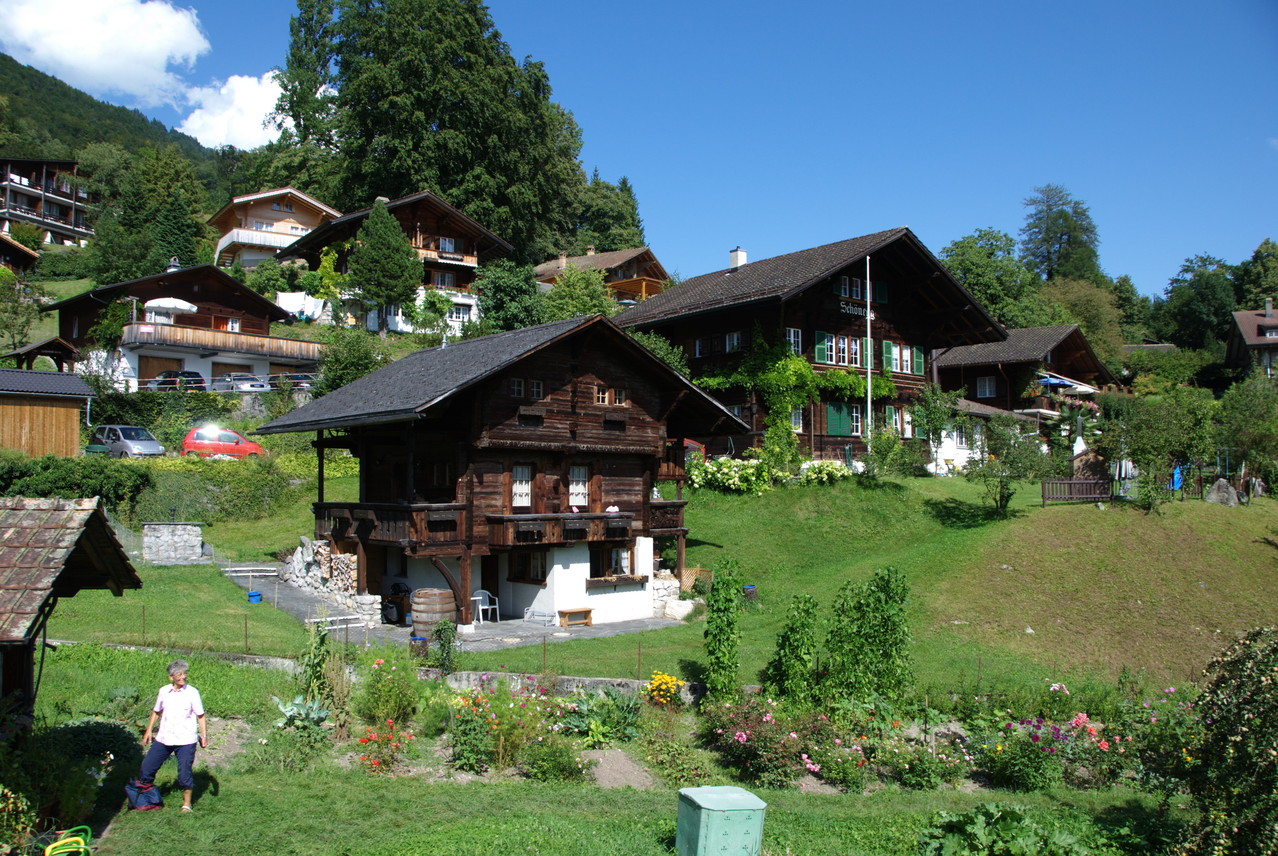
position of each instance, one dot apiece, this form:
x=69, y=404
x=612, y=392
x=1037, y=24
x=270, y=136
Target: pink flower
x=794, y=736
x=740, y=737
x=1104, y=745
x=838, y=741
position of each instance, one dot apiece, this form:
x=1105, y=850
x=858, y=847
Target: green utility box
x=719, y=821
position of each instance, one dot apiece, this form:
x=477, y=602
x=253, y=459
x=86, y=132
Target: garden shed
x=40, y=411
x=49, y=549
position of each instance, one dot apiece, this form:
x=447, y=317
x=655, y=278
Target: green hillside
x=53, y=119
x=1100, y=589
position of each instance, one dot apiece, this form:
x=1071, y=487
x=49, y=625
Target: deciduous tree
x=1257, y=277
x=1198, y=305
x=579, y=292
x=509, y=296
x=1092, y=308
x=935, y=411
x=1007, y=456
x=986, y=263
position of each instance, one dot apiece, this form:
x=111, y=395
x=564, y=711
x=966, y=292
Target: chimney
x=590, y=250
x=1269, y=307
x=174, y=264
x=736, y=258
x=563, y=260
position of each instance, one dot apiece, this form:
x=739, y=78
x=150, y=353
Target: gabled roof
x=1024, y=345
x=43, y=384
x=20, y=248
x=54, y=547
x=201, y=273
x=595, y=261
x=278, y=191
x=347, y=225
x=782, y=277
x=52, y=347
x=1252, y=324
x=408, y=388
x=984, y=411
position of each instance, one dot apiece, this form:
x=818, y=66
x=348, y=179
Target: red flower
x=363, y=740
x=376, y=763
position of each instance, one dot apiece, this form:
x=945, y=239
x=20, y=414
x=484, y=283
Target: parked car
x=211, y=440
x=174, y=379
x=124, y=441
x=297, y=380
x=239, y=382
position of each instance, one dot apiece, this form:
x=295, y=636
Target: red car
x=212, y=440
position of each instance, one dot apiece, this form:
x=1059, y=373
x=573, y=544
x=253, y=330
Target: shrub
x=721, y=633
x=869, y=639
x=790, y=674
x=471, y=730
x=663, y=689
x=1234, y=777
x=1025, y=756
x=553, y=759
x=673, y=760
x=389, y=691
x=600, y=719
x=750, y=737
x=119, y=483
x=922, y=767
x=998, y=829
x=209, y=490
x=731, y=475
x=823, y=472
x=69, y=264
x=381, y=749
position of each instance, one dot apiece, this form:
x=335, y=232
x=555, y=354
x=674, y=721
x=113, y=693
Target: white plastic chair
x=487, y=603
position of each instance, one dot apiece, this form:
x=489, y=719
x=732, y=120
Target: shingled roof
x=592, y=261
x=54, y=547
x=53, y=384
x=1025, y=345
x=408, y=387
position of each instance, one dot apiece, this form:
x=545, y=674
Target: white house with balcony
x=256, y=226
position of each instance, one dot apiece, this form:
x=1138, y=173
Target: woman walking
x=181, y=714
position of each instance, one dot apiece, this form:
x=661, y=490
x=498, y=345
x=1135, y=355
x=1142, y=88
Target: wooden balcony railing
x=514, y=530
x=418, y=524
x=666, y=516
x=217, y=341
x=636, y=288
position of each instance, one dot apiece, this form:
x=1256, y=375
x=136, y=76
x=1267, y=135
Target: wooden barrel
x=430, y=606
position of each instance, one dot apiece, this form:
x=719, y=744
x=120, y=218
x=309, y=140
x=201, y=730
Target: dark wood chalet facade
x=818, y=301
x=521, y=463
x=1021, y=373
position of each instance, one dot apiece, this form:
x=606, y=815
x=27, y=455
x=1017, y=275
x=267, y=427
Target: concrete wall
x=173, y=543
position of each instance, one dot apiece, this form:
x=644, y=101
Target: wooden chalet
x=631, y=275
x=818, y=301
x=534, y=451
x=1253, y=341
x=16, y=257
x=450, y=245
x=50, y=549
x=1021, y=373
x=256, y=226
x=227, y=331
x=40, y=412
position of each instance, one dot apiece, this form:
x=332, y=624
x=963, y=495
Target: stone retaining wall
x=690, y=693
x=173, y=543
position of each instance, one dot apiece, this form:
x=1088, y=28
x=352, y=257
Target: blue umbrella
x=1054, y=381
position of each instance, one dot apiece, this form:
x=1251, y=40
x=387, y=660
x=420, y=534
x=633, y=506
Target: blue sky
x=778, y=127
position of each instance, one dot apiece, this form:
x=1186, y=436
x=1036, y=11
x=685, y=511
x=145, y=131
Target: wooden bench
x=574, y=617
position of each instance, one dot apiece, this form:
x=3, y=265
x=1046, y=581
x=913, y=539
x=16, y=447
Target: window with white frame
x=521, y=486
x=232, y=325
x=906, y=365
x=794, y=338
x=619, y=396
x=907, y=423
x=854, y=351
x=732, y=342
x=459, y=312
x=446, y=245
x=442, y=278
x=610, y=562
x=536, y=389
x=896, y=357
x=959, y=433
x=579, y=486
x=854, y=288
x=263, y=226
x=854, y=416
x=842, y=288
x=601, y=395
x=796, y=419
x=985, y=387
x=840, y=350
x=517, y=387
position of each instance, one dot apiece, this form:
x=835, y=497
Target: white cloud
x=233, y=113
x=102, y=46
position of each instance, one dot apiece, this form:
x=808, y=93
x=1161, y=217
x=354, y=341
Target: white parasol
x=171, y=304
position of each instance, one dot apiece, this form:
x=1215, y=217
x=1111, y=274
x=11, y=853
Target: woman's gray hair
x=178, y=666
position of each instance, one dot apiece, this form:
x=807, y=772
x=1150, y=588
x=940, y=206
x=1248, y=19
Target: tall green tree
x=987, y=265
x=1198, y=305
x=428, y=95
x=351, y=353
x=935, y=411
x=791, y=672
x=1248, y=422
x=1008, y=456
x=383, y=268
x=306, y=102
x=1133, y=308
x=609, y=218
x=1059, y=236
x=868, y=645
x=579, y=292
x=173, y=235
x=1257, y=277
x=509, y=296
x=1092, y=308
x=19, y=308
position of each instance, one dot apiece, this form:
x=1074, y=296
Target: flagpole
x=868, y=361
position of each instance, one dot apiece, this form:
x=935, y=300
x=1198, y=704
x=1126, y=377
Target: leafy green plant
x=1025, y=756
x=553, y=759
x=300, y=713
x=868, y=643
x=722, y=607
x=923, y=767
x=790, y=674
x=471, y=730
x=389, y=689
x=443, y=654
x=1000, y=829
x=381, y=748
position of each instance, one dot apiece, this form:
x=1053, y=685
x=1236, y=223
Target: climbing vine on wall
x=786, y=381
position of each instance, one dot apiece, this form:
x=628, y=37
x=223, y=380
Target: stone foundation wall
x=173, y=543
x=317, y=569
x=665, y=597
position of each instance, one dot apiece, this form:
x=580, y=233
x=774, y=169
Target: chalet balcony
x=665, y=517
x=522, y=530
x=254, y=238
x=422, y=527
x=213, y=342
x=1037, y=404
x=638, y=288
x=429, y=254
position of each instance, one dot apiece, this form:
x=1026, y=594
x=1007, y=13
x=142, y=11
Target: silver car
x=239, y=382
x=126, y=441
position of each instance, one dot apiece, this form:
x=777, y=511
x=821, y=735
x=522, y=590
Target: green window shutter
x=837, y=421
x=821, y=350
x=881, y=291
x=887, y=357
x=867, y=353
x=889, y=417
x=918, y=361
